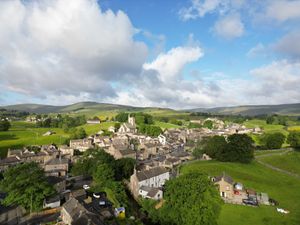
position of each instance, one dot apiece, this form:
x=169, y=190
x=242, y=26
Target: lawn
x=267, y=127
x=279, y=186
x=95, y=128
x=163, y=125
x=289, y=161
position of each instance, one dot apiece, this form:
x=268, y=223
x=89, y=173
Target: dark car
x=250, y=202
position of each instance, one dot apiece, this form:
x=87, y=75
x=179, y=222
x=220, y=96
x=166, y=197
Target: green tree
x=239, y=148
x=215, y=147
x=124, y=168
x=4, y=125
x=103, y=175
x=122, y=117
x=270, y=120
x=208, y=124
x=273, y=140
x=294, y=139
x=189, y=199
x=26, y=185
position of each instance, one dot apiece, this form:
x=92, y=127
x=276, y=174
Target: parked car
x=250, y=202
x=86, y=187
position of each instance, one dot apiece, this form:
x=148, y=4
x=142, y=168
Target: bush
x=273, y=140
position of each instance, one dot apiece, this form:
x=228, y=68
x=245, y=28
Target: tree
x=273, y=140
x=215, y=147
x=189, y=199
x=103, y=175
x=26, y=185
x=294, y=139
x=77, y=133
x=270, y=119
x=124, y=168
x=4, y=125
x=208, y=124
x=122, y=117
x=239, y=148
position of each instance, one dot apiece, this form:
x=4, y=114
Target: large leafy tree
x=26, y=185
x=4, y=125
x=239, y=148
x=273, y=140
x=189, y=199
x=294, y=139
x=103, y=175
x=215, y=147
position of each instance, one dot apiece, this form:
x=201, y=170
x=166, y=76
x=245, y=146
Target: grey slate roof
x=57, y=161
x=226, y=178
x=147, y=174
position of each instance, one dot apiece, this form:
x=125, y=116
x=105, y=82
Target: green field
x=24, y=133
x=283, y=188
x=289, y=161
x=163, y=125
x=266, y=127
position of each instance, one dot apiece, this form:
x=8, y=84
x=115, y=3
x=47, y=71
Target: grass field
x=289, y=161
x=294, y=128
x=163, y=125
x=24, y=133
x=265, y=126
x=283, y=188
x=95, y=128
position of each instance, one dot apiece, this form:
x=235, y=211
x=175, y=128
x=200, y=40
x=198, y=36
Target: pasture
x=284, y=189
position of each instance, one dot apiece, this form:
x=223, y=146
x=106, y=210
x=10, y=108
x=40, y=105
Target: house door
x=223, y=194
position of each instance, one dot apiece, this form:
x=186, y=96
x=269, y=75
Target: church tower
x=131, y=120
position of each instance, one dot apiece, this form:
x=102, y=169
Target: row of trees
x=188, y=199
x=106, y=171
x=236, y=148
x=61, y=121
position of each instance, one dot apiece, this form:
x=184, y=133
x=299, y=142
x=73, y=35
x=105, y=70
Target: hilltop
x=252, y=110
x=94, y=107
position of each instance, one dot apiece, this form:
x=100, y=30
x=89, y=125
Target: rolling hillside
x=252, y=110
x=81, y=108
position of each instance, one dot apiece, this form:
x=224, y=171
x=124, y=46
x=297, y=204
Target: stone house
x=121, y=151
x=73, y=212
x=81, y=144
x=151, y=193
x=57, y=167
x=66, y=150
x=155, y=178
x=225, y=185
x=9, y=162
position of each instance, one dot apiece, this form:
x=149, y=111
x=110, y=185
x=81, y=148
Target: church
x=129, y=127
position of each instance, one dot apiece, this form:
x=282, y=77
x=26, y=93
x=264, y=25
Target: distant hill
x=81, y=107
x=252, y=110
x=94, y=107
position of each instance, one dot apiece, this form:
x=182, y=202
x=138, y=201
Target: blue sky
x=171, y=53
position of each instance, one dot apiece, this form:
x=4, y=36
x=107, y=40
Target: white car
x=86, y=187
x=96, y=195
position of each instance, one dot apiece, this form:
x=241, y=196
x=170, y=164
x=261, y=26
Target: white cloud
x=288, y=45
x=169, y=65
x=229, y=27
x=199, y=9
x=283, y=10
x=66, y=48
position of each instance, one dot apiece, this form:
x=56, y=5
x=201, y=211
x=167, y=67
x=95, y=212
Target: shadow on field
x=4, y=137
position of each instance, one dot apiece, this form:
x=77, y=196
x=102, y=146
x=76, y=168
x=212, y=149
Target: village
x=157, y=160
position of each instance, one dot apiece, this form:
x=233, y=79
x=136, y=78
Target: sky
x=165, y=53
